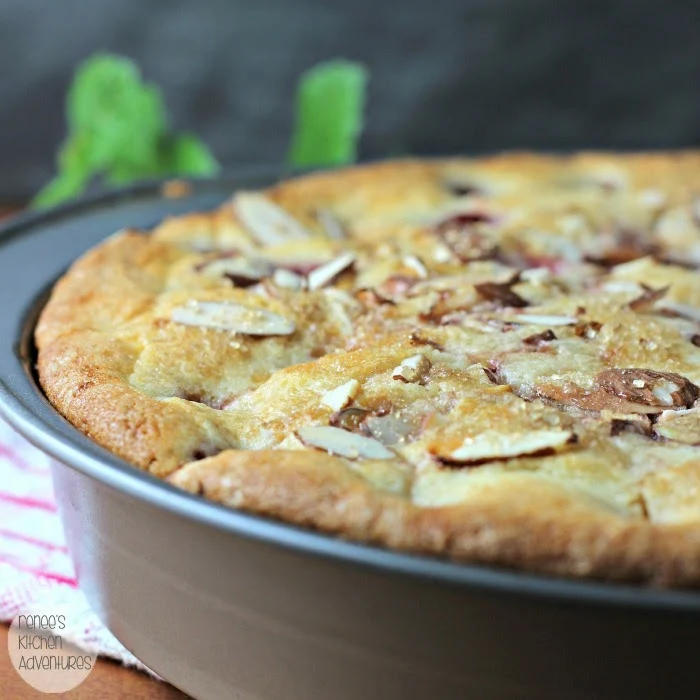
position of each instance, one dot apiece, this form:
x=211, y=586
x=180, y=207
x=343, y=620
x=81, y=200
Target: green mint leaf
x=74, y=172
x=185, y=154
x=122, y=117
x=62, y=187
x=75, y=154
x=99, y=83
x=123, y=173
x=329, y=114
x=118, y=131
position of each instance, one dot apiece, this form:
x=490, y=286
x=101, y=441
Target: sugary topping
x=456, y=321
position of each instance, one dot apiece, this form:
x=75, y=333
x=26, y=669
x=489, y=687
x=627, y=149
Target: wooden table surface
x=107, y=681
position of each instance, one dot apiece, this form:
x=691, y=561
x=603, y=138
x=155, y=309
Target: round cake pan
x=228, y=605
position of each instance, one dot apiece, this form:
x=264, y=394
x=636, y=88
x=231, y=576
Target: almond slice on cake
x=268, y=223
x=497, y=446
x=230, y=316
x=340, y=442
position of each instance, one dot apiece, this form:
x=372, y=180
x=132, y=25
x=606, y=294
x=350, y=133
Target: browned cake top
x=494, y=359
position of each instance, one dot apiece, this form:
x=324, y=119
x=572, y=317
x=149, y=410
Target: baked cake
x=494, y=360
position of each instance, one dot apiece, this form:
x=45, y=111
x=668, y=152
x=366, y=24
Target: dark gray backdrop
x=447, y=75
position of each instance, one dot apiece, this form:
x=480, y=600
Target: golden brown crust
x=516, y=523
x=506, y=352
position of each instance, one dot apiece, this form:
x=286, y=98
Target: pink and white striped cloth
x=36, y=573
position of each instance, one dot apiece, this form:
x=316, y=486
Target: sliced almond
x=648, y=387
x=648, y=298
x=501, y=292
x=325, y=274
x=495, y=446
x=288, y=279
x=460, y=234
x=682, y=425
x=229, y=316
x=413, y=262
x=242, y=271
x=626, y=246
x=338, y=398
x=536, y=275
x=413, y=369
x=626, y=422
x=331, y=225
x=544, y=320
x=337, y=441
x=692, y=313
x=268, y=223
x=597, y=400
x=349, y=418
x=390, y=429
x=615, y=286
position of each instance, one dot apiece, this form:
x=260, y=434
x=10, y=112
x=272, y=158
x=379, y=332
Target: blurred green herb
x=329, y=108
x=118, y=130
x=118, y=127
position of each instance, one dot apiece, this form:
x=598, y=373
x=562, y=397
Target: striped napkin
x=36, y=573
